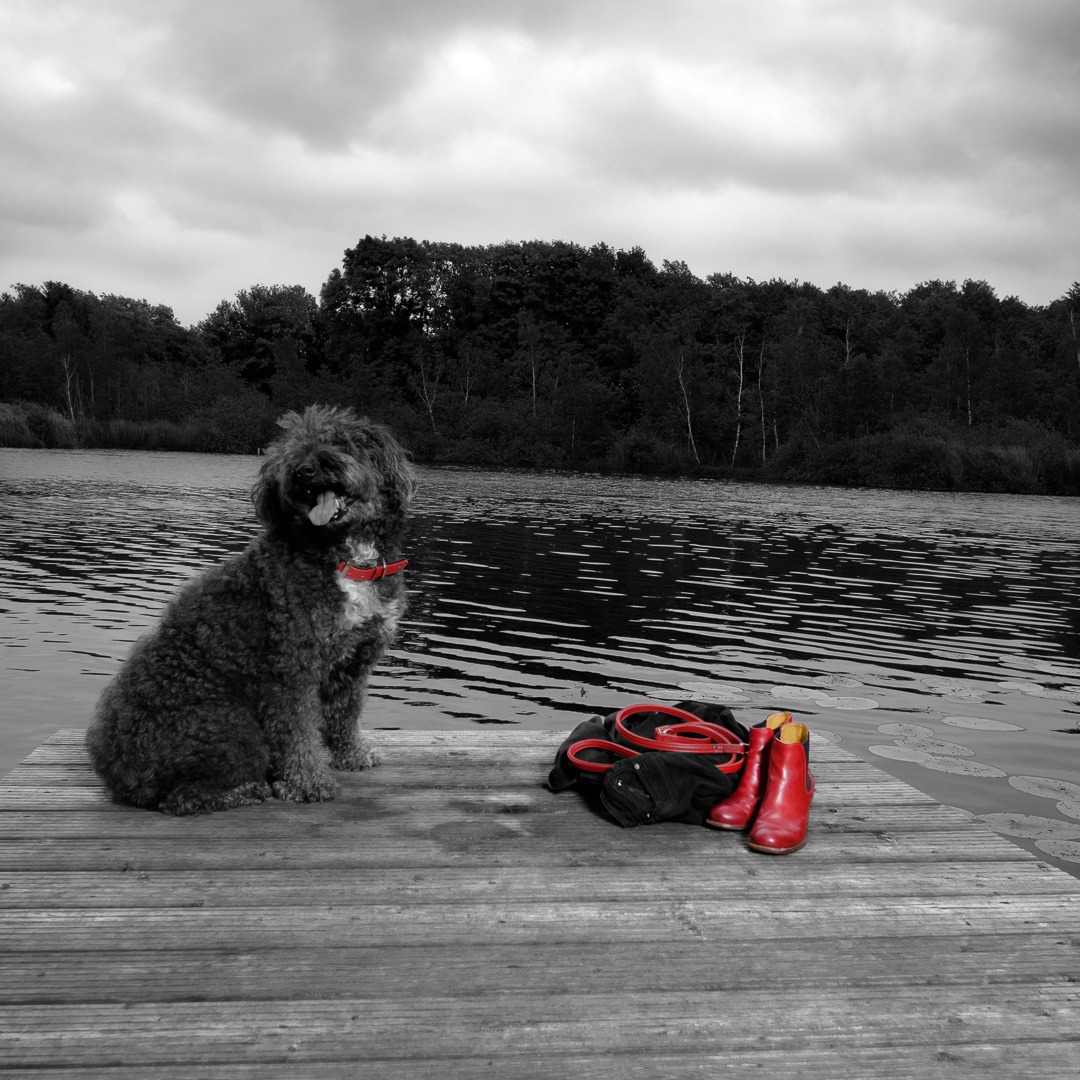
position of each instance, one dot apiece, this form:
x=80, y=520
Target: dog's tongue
x=324, y=509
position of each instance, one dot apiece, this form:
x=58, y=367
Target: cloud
x=184, y=150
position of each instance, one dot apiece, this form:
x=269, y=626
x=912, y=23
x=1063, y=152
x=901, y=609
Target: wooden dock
x=449, y=917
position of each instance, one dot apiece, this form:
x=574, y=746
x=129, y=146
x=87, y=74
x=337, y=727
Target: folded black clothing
x=654, y=785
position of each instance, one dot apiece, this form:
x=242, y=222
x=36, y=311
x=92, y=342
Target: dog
x=253, y=682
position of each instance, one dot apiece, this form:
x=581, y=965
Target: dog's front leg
x=342, y=697
x=298, y=760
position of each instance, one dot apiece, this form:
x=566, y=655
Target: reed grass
x=30, y=425
x=144, y=435
x=14, y=430
x=925, y=460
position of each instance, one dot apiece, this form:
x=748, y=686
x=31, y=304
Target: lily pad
x=1066, y=850
x=980, y=723
x=1028, y=689
x=796, y=693
x=900, y=753
x=963, y=693
x=937, y=746
x=836, y=680
x=1046, y=787
x=714, y=691
x=953, y=690
x=963, y=766
x=1031, y=826
x=910, y=731
x=1048, y=666
x=851, y=704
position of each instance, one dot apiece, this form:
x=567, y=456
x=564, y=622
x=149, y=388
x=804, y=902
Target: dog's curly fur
x=253, y=682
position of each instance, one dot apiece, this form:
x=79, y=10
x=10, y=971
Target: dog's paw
x=191, y=800
x=361, y=756
x=318, y=788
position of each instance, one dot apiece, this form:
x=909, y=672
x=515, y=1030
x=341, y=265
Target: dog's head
x=332, y=475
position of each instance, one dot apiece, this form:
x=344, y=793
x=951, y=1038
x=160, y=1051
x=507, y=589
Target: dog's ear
x=399, y=480
x=266, y=491
x=266, y=494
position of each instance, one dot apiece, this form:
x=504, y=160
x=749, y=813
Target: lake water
x=937, y=634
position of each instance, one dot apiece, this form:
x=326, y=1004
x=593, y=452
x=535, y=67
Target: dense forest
x=553, y=355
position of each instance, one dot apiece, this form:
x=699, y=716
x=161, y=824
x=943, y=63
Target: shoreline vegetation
x=549, y=355
x=922, y=460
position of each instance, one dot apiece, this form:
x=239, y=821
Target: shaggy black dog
x=253, y=682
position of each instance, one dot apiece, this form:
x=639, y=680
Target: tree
x=426, y=377
x=1072, y=299
x=246, y=331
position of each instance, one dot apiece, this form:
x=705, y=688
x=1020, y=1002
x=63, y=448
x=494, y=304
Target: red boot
x=785, y=810
x=738, y=809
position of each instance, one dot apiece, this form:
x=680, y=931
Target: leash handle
x=597, y=744
x=691, y=736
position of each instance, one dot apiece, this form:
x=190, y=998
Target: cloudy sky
x=182, y=150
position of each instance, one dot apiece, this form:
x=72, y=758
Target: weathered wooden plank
x=34, y=889
x=77, y=802
x=388, y=972
x=68, y=744
x=1005, y=1060
x=89, y=795
x=429, y=923
x=516, y=737
x=426, y=747
x=525, y=1024
x=532, y=814
x=413, y=773
x=422, y=788
x=381, y=801
x=27, y=782
x=479, y=844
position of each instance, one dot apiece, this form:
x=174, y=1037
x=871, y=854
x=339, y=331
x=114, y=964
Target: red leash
x=692, y=736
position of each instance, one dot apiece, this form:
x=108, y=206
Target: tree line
x=554, y=355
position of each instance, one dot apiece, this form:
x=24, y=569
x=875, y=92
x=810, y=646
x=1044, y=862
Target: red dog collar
x=371, y=573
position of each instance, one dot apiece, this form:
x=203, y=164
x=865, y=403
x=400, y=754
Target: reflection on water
x=940, y=633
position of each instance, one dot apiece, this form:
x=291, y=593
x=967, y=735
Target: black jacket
x=655, y=785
